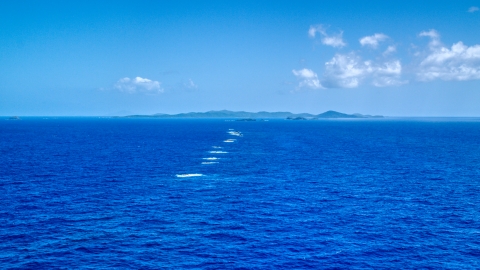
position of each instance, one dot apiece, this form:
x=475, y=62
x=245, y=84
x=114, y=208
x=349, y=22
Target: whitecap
x=230, y=140
x=210, y=158
x=189, y=175
x=235, y=133
x=209, y=162
x=217, y=147
x=217, y=152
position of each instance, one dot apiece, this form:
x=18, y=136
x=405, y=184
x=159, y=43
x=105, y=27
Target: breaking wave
x=189, y=175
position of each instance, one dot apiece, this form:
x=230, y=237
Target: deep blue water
x=104, y=193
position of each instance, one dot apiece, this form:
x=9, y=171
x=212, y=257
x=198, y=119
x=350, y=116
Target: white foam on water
x=209, y=162
x=189, y=175
x=235, y=133
x=230, y=140
x=217, y=147
x=210, y=158
x=217, y=152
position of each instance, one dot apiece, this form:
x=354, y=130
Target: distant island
x=257, y=115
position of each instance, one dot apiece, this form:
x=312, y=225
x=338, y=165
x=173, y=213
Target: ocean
x=122, y=193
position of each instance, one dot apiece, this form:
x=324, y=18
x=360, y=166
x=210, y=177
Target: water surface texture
x=151, y=193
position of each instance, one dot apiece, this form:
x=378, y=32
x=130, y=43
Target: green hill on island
x=256, y=115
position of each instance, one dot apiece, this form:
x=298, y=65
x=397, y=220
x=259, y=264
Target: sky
x=103, y=58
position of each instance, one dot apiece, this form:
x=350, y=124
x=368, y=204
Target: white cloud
x=460, y=62
x=190, y=84
x=312, y=31
x=373, y=41
x=432, y=33
x=349, y=71
x=138, y=84
x=389, y=50
x=330, y=40
x=387, y=74
x=344, y=71
x=473, y=9
x=307, y=78
x=436, y=62
x=434, y=38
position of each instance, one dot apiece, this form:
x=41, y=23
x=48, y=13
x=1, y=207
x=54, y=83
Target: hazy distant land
x=256, y=115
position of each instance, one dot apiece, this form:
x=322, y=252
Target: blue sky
x=396, y=58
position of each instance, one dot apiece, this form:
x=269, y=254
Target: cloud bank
x=349, y=70
x=137, y=85
x=460, y=62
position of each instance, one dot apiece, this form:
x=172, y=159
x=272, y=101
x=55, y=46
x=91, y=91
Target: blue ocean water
x=98, y=193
